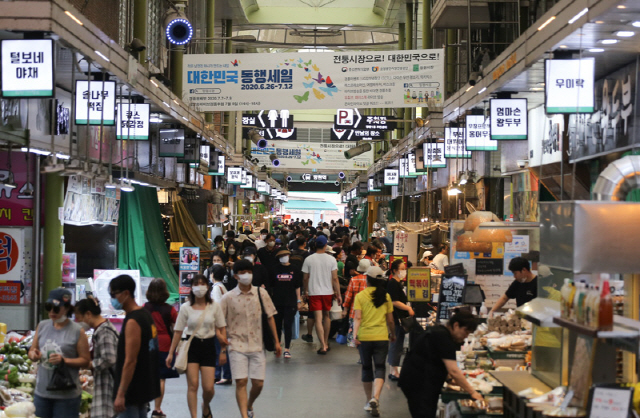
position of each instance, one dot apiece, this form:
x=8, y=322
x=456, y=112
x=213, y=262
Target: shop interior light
x=110, y=184
x=483, y=90
x=579, y=15
x=453, y=190
x=625, y=33
x=126, y=187
x=636, y=24
x=463, y=178
x=544, y=25
x=101, y=55
x=596, y=50
x=609, y=41
x=75, y=19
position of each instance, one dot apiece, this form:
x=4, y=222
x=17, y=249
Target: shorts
x=164, y=371
x=203, y=352
x=248, y=365
x=320, y=303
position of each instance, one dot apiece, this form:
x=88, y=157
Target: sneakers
x=367, y=407
x=375, y=407
x=307, y=338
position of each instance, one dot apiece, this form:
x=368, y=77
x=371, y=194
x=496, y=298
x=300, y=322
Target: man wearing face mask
x=286, y=281
x=242, y=310
x=523, y=289
x=260, y=243
x=267, y=255
x=260, y=272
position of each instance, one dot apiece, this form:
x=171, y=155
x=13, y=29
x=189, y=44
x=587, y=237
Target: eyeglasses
x=114, y=294
x=48, y=306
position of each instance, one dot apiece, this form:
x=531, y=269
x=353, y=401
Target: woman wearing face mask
x=218, y=243
x=267, y=255
x=218, y=274
x=286, y=281
x=397, y=274
x=59, y=342
x=233, y=254
x=202, y=351
x=103, y=355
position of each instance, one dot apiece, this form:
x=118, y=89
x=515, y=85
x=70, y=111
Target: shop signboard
x=95, y=102
x=450, y=295
x=171, y=143
x=27, y=68
x=221, y=167
x=569, y=85
x=190, y=258
x=455, y=143
x=307, y=155
x=16, y=204
x=248, y=184
x=191, y=151
x=391, y=177
x=133, y=121
x=10, y=292
x=411, y=161
x=315, y=80
x=371, y=185
x=508, y=119
x=610, y=128
x=11, y=257
x=261, y=187
x=406, y=243
x=478, y=130
x=434, y=155
x=419, y=284
x=403, y=167
x=234, y=175
x=205, y=156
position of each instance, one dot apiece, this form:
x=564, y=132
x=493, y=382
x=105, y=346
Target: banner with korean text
x=310, y=155
x=412, y=78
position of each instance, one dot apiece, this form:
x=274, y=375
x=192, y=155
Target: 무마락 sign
x=319, y=156
x=454, y=143
x=391, y=177
x=508, y=119
x=133, y=121
x=433, y=154
x=27, y=68
x=610, y=128
x=569, y=85
x=478, y=131
x=93, y=99
x=371, y=79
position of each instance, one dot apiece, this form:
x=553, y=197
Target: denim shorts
x=56, y=408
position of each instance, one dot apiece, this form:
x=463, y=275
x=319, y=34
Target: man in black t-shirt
x=134, y=387
x=286, y=281
x=523, y=289
x=260, y=272
x=352, y=261
x=431, y=359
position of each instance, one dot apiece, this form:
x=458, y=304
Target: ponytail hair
x=379, y=296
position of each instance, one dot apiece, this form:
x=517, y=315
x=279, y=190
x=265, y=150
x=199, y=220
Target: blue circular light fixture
x=179, y=31
x=276, y=162
x=341, y=175
x=262, y=143
x=289, y=178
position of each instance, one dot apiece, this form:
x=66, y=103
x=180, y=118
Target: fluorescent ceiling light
x=622, y=7
x=470, y=87
x=101, y=55
x=154, y=83
x=456, y=109
x=625, y=33
x=563, y=46
x=75, y=19
x=536, y=88
x=599, y=22
x=579, y=15
x=155, y=120
x=166, y=104
x=596, y=50
x=636, y=24
x=483, y=90
x=544, y=25
x=609, y=41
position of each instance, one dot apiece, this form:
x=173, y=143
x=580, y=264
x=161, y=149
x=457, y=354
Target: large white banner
x=312, y=155
x=314, y=80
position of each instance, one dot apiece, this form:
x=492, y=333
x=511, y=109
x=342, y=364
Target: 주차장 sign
x=508, y=119
x=569, y=85
x=27, y=67
x=337, y=80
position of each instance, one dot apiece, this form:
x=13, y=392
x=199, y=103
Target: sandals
x=321, y=352
x=209, y=415
x=224, y=382
x=287, y=354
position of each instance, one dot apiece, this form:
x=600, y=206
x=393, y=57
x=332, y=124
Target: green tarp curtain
x=391, y=213
x=141, y=244
x=184, y=229
x=360, y=221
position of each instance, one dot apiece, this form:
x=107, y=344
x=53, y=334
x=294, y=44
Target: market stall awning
x=309, y=205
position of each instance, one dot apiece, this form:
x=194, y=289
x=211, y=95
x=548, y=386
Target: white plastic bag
x=336, y=311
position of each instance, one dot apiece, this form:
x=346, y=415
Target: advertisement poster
x=101, y=280
x=611, y=126
x=545, y=133
x=84, y=205
x=69, y=267
x=190, y=258
x=10, y=292
x=314, y=80
x=307, y=155
x=419, y=284
x=16, y=204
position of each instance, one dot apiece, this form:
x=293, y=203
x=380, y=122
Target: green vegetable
x=15, y=359
x=85, y=401
x=11, y=376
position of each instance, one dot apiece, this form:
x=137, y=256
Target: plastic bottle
x=595, y=309
x=588, y=305
x=605, y=310
x=576, y=301
x=483, y=310
x=565, y=294
x=581, y=317
x=572, y=293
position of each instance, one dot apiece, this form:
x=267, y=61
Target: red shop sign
x=9, y=292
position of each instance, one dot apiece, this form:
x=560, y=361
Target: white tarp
x=314, y=80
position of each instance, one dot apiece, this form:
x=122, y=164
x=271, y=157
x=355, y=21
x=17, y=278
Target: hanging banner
x=314, y=80
x=306, y=155
x=611, y=127
x=569, y=85
x=101, y=95
x=249, y=183
x=411, y=161
x=27, y=68
x=508, y=119
x=133, y=121
x=419, y=284
x=433, y=155
x=478, y=131
x=454, y=143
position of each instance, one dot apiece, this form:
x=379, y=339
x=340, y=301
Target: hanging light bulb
x=453, y=190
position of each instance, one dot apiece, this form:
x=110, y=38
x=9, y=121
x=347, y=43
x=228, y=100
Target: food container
x=469, y=364
x=481, y=353
x=494, y=402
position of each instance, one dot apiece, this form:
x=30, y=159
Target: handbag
x=267, y=337
x=183, y=349
x=61, y=379
x=409, y=324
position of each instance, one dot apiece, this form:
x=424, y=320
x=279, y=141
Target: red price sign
x=10, y=292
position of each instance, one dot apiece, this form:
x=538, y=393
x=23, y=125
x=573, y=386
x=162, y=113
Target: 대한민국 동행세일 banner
x=310, y=155
x=314, y=80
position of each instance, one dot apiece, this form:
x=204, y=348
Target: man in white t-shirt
x=320, y=284
x=441, y=260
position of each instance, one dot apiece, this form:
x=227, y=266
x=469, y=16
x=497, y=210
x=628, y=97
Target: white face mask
x=271, y=244
x=402, y=274
x=245, y=278
x=199, y=291
x=217, y=264
x=232, y=251
x=249, y=257
x=61, y=319
x=284, y=259
x=263, y=237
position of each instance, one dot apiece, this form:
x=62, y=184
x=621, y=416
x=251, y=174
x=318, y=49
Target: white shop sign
x=508, y=119
x=478, y=130
x=434, y=155
x=455, y=145
x=133, y=121
x=569, y=85
x=98, y=99
x=27, y=68
x=391, y=177
x=235, y=175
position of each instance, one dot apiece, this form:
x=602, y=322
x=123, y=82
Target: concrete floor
x=308, y=385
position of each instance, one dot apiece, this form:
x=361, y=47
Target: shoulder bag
x=267, y=336
x=183, y=349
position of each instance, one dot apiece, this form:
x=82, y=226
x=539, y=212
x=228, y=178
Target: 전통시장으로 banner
x=369, y=79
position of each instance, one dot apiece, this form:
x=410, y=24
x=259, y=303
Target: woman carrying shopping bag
x=204, y=321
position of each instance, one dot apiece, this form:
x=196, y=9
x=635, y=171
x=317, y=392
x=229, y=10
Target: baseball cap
x=363, y=265
x=250, y=251
x=59, y=296
x=426, y=254
x=321, y=241
x=282, y=253
x=376, y=272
